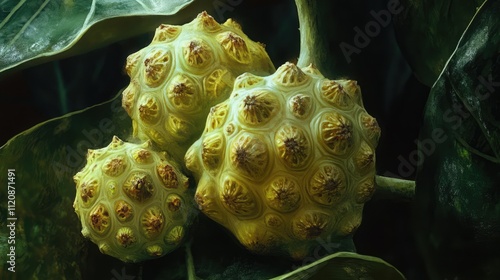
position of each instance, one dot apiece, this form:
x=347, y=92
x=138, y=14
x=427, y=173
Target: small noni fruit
x=183, y=72
x=132, y=202
x=287, y=159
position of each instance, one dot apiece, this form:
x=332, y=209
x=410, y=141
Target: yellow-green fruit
x=132, y=202
x=287, y=159
x=183, y=72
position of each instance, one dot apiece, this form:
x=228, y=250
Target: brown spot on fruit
x=123, y=210
x=99, y=219
x=152, y=222
x=300, y=105
x=157, y=65
x=174, y=203
x=139, y=187
x=114, y=167
x=125, y=237
x=168, y=175
x=88, y=191
x=310, y=225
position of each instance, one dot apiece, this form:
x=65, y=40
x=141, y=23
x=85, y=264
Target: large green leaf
x=38, y=31
x=345, y=265
x=458, y=187
x=48, y=243
x=428, y=31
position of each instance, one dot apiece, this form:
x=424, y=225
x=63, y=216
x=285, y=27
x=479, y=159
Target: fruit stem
x=313, y=23
x=394, y=188
x=191, y=273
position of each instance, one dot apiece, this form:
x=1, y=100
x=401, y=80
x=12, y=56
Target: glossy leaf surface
x=40, y=30
x=428, y=31
x=458, y=187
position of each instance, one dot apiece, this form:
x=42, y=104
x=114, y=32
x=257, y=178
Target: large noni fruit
x=287, y=159
x=183, y=72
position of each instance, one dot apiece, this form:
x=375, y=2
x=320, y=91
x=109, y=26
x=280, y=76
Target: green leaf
x=48, y=243
x=458, y=186
x=345, y=265
x=428, y=32
x=39, y=31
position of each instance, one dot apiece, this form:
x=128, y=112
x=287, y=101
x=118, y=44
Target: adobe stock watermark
x=223, y=6
x=372, y=29
x=453, y=118
x=93, y=137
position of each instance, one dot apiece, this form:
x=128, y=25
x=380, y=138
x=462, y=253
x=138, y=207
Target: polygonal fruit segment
x=183, y=93
x=152, y=222
x=238, y=199
x=235, y=46
x=114, y=167
x=293, y=146
x=166, y=33
x=327, y=184
x=156, y=67
x=283, y=194
x=257, y=108
x=336, y=133
x=217, y=116
x=123, y=210
x=174, y=203
x=99, y=219
x=310, y=225
x=300, y=105
x=365, y=190
x=139, y=187
x=197, y=53
x=168, y=175
x=364, y=158
x=249, y=155
x=290, y=75
x=126, y=237
x=149, y=110
x=88, y=192
x=175, y=236
x=334, y=93
x=213, y=147
x=143, y=156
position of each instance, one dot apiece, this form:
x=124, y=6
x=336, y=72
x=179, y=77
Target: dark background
x=390, y=93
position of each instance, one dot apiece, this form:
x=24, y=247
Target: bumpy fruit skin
x=287, y=159
x=183, y=72
x=132, y=202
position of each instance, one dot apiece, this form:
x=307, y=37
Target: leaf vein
x=28, y=22
x=12, y=13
